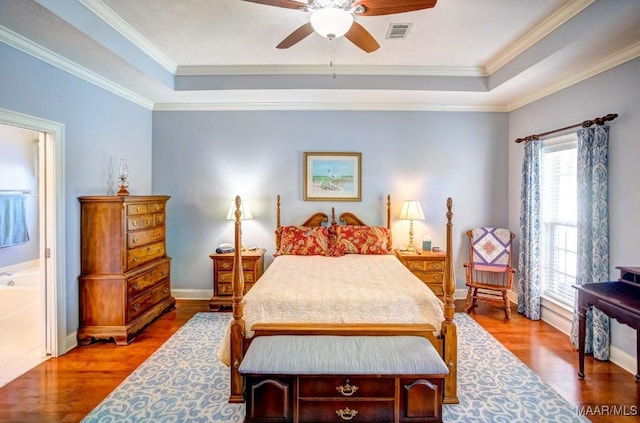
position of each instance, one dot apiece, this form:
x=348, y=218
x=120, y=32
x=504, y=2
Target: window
x=558, y=217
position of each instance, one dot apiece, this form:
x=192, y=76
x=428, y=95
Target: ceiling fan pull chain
x=332, y=50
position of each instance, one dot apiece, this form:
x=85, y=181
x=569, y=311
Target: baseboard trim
x=192, y=294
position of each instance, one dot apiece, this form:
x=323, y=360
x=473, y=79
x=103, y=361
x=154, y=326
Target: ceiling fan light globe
x=331, y=22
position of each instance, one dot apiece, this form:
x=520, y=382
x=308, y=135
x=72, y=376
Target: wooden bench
x=326, y=378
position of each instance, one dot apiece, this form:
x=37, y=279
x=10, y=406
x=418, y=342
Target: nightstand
x=252, y=267
x=427, y=266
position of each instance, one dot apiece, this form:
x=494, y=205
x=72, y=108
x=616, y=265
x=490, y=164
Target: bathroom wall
x=19, y=171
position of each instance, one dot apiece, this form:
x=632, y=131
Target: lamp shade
x=411, y=210
x=245, y=211
x=331, y=22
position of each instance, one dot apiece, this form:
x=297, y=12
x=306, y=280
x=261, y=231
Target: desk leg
x=638, y=354
x=582, y=323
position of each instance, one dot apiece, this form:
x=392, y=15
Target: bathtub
x=19, y=296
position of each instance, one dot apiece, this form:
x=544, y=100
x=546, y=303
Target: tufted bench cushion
x=319, y=354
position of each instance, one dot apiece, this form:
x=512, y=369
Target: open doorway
x=33, y=268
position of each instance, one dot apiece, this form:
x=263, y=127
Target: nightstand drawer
x=228, y=277
x=228, y=265
x=429, y=276
x=437, y=289
x=225, y=288
x=427, y=266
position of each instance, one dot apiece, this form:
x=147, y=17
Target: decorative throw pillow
x=303, y=240
x=352, y=239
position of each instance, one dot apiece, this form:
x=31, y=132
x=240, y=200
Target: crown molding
x=39, y=52
x=193, y=70
x=127, y=31
x=549, y=25
x=324, y=105
x=615, y=59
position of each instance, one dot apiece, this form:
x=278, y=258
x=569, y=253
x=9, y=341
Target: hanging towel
x=13, y=220
x=491, y=249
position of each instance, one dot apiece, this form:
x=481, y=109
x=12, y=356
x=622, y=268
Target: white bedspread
x=349, y=289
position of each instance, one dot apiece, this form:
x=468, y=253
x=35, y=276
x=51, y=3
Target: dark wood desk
x=619, y=299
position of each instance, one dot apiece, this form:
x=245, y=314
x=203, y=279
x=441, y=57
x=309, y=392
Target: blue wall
x=614, y=91
x=100, y=128
x=204, y=159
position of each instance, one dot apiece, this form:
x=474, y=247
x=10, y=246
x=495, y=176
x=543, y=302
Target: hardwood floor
x=65, y=389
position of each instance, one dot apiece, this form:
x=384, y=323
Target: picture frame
x=330, y=176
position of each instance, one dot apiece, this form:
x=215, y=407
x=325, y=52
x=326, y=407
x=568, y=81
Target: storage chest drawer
x=343, y=410
x=346, y=387
x=228, y=265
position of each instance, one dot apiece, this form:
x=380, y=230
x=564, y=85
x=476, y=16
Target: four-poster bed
x=408, y=308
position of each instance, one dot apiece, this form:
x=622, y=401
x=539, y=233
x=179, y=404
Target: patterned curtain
x=528, y=259
x=593, y=232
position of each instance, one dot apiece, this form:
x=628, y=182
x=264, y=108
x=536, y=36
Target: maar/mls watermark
x=587, y=410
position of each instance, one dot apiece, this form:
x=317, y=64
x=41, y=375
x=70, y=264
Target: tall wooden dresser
x=125, y=280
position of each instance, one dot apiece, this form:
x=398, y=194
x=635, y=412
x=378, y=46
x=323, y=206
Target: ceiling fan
x=335, y=18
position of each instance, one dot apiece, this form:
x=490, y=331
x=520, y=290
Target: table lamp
x=245, y=213
x=411, y=210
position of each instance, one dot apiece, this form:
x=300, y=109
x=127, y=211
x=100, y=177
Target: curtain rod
x=585, y=124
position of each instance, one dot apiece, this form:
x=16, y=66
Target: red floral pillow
x=303, y=240
x=352, y=239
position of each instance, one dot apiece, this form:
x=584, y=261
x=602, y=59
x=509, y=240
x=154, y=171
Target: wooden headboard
x=320, y=218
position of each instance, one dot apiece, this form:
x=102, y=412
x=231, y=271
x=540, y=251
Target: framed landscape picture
x=332, y=176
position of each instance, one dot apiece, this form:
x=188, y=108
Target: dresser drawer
x=140, y=238
x=135, y=209
x=344, y=410
x=139, y=283
x=423, y=265
x=156, y=207
x=158, y=219
x=346, y=387
x=136, y=223
x=225, y=288
x=139, y=256
x=139, y=304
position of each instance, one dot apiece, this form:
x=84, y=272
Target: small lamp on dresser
x=245, y=213
x=411, y=210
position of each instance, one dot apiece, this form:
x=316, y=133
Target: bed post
x=277, y=223
x=237, y=324
x=449, y=330
x=389, y=219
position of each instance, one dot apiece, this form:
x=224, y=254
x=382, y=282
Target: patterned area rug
x=183, y=381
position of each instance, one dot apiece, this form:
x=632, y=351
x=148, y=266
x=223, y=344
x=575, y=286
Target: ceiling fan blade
x=297, y=35
x=287, y=4
x=362, y=38
x=389, y=7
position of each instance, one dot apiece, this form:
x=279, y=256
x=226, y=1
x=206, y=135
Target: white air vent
x=398, y=31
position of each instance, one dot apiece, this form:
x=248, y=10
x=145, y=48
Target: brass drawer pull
x=165, y=290
x=135, y=240
x=164, y=273
x=136, y=286
x=148, y=221
x=347, y=390
x=134, y=223
x=346, y=414
x=136, y=307
x=135, y=259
